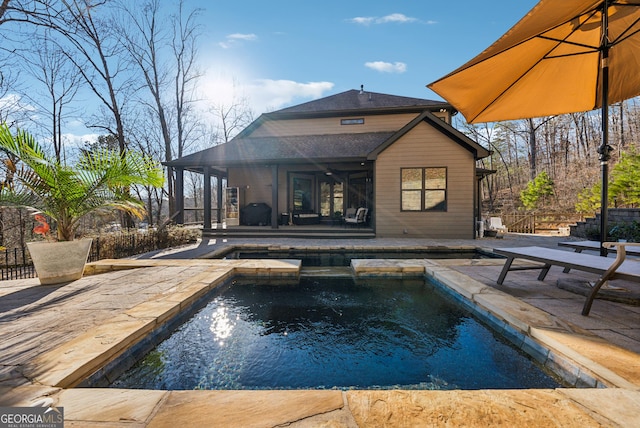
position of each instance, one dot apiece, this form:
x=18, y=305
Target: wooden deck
x=294, y=231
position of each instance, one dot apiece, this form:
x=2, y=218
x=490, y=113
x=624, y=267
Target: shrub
x=540, y=187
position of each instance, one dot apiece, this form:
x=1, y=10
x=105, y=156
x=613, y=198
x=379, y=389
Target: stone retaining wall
x=591, y=226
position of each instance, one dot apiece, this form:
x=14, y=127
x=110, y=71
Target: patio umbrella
x=562, y=57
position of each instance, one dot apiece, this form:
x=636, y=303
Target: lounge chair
x=608, y=268
x=360, y=217
x=495, y=223
x=580, y=246
x=350, y=213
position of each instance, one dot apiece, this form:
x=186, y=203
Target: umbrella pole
x=604, y=163
x=605, y=149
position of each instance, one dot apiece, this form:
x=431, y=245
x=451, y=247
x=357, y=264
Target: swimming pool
x=334, y=333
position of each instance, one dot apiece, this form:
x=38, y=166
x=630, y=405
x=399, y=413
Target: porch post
x=219, y=199
x=179, y=195
x=477, y=208
x=275, y=212
x=207, y=197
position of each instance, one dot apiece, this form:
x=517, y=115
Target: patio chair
x=495, y=223
x=350, y=213
x=580, y=246
x=360, y=217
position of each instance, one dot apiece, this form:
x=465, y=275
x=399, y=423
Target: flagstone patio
x=53, y=337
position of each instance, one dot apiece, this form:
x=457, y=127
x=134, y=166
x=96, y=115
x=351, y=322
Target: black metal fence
x=16, y=262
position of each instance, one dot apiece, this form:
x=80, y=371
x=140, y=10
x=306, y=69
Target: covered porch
x=302, y=198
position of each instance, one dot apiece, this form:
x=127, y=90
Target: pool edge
x=585, y=397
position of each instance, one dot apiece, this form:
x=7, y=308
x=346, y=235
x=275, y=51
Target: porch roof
x=290, y=149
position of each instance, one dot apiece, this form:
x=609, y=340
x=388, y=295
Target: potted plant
x=99, y=181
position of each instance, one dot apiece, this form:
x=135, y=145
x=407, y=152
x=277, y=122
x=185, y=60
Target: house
x=310, y=163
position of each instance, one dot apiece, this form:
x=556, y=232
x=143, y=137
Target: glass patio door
x=331, y=199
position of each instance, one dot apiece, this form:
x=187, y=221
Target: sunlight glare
x=221, y=325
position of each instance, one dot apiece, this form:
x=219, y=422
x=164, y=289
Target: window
x=424, y=189
x=302, y=194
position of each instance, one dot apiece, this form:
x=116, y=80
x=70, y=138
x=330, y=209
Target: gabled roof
x=350, y=103
x=354, y=100
x=247, y=150
x=478, y=151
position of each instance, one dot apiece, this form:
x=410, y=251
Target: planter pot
x=57, y=262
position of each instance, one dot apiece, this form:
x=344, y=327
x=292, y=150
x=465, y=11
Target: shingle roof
x=246, y=150
x=358, y=100
x=250, y=150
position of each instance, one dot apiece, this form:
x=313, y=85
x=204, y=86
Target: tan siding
x=444, y=116
x=258, y=181
x=321, y=126
x=259, y=184
x=425, y=147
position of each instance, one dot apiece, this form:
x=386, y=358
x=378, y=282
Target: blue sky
x=283, y=52
x=279, y=53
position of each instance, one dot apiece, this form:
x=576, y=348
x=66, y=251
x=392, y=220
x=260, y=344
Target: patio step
x=309, y=232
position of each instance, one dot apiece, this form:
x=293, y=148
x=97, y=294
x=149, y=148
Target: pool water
x=334, y=333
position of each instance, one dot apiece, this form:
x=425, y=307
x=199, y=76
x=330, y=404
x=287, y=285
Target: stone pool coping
x=52, y=373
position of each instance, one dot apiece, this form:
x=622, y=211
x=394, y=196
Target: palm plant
x=99, y=181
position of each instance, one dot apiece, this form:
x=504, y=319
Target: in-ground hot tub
x=334, y=333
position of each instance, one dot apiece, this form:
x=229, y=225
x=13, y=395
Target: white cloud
x=395, y=17
x=246, y=37
x=362, y=20
x=18, y=112
x=275, y=94
x=75, y=123
x=387, y=67
x=236, y=38
x=15, y=108
x=227, y=86
x=392, y=18
x=73, y=140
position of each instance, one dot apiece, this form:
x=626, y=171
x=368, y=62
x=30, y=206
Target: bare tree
x=185, y=52
x=159, y=69
x=490, y=136
x=3, y=9
x=24, y=11
x=231, y=118
x=49, y=65
x=147, y=137
x=10, y=103
x=92, y=46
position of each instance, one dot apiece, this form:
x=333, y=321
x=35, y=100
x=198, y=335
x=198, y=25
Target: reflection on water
x=221, y=325
x=334, y=334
